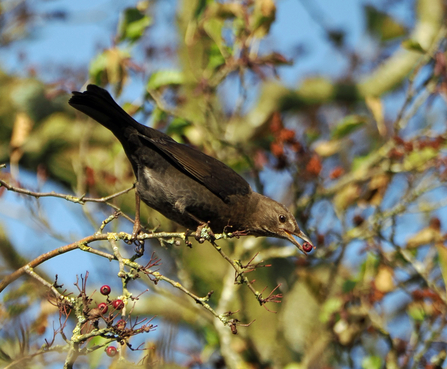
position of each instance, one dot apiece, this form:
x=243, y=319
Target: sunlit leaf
x=375, y=105
x=360, y=162
x=372, y=362
x=384, y=281
x=293, y=366
x=215, y=57
x=200, y=8
x=315, y=90
x=442, y=252
x=327, y=148
x=263, y=16
x=213, y=27
x=413, y=45
x=417, y=312
x=369, y=267
x=164, y=78
x=21, y=130
x=331, y=306
x=346, y=196
x=132, y=25
x=348, y=125
x=424, y=237
x=416, y=159
x=226, y=10
x=382, y=25
x=108, y=67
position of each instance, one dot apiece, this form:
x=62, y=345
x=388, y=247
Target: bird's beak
x=303, y=236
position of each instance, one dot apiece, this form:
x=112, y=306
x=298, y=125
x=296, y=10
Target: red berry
x=105, y=290
x=307, y=246
x=103, y=307
x=111, y=351
x=118, y=304
x=120, y=324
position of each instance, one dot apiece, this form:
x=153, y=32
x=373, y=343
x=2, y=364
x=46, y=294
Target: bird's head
x=269, y=218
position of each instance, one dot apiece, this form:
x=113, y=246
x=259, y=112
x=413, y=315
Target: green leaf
x=263, y=16
x=382, y=25
x=369, y=267
x=200, y=8
x=109, y=66
x=348, y=285
x=417, y=159
x=97, y=67
x=348, y=125
x=372, y=362
x=158, y=116
x=213, y=27
x=417, y=312
x=316, y=89
x=132, y=25
x=177, y=126
x=331, y=306
x=165, y=78
x=413, y=45
x=361, y=162
x=442, y=252
x=216, y=59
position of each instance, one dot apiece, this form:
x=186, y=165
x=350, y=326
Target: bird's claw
x=204, y=232
x=139, y=244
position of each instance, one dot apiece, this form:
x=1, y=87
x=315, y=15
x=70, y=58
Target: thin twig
x=78, y=200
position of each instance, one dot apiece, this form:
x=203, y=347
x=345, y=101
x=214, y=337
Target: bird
x=186, y=185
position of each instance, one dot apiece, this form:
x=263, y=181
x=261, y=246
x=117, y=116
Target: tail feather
x=99, y=105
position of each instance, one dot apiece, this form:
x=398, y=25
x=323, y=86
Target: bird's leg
x=201, y=229
x=137, y=223
x=139, y=244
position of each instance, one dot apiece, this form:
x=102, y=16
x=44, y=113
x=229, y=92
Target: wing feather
x=212, y=173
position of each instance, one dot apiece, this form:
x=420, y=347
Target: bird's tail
x=99, y=105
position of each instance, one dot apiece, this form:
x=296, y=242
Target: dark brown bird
x=184, y=184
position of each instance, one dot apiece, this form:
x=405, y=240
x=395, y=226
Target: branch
x=83, y=245
x=43, y=350
x=78, y=200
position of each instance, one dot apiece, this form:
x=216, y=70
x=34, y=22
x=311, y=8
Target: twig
x=33, y=274
x=240, y=275
x=78, y=200
x=83, y=245
x=43, y=350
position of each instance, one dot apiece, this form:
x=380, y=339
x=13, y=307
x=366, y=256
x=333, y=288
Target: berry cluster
x=103, y=307
x=92, y=317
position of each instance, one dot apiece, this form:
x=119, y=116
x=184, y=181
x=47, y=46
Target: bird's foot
x=238, y=234
x=139, y=244
x=204, y=232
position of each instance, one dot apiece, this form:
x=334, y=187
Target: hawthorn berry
x=307, y=246
x=103, y=307
x=118, y=304
x=111, y=351
x=105, y=290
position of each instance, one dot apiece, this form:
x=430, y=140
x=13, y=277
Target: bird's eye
x=282, y=218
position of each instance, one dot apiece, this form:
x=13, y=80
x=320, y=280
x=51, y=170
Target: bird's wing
x=212, y=173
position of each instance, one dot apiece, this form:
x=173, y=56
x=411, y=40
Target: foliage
x=359, y=157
